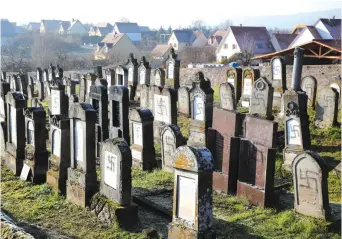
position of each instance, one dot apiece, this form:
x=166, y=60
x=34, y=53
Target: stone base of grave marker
x=177, y=231
x=38, y=162
x=14, y=159
x=148, y=154
x=111, y=212
x=57, y=174
x=197, y=134
x=81, y=187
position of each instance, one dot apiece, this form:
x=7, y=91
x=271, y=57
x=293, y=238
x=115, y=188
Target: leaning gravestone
x=326, y=108
x=192, y=215
x=278, y=79
x=310, y=179
x=82, y=177
x=262, y=98
x=59, y=102
x=184, y=101
x=59, y=160
x=172, y=70
x=153, y=89
x=118, y=113
x=141, y=126
x=36, y=155
x=234, y=77
x=159, y=77
x=248, y=77
x=309, y=85
x=171, y=139
x=227, y=96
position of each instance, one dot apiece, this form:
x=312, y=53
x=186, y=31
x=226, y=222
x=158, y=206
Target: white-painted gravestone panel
x=137, y=134
x=186, y=198
x=142, y=76
x=2, y=109
x=56, y=142
x=336, y=87
x=293, y=132
x=276, y=69
x=88, y=86
x=110, y=173
x=161, y=109
x=231, y=81
x=30, y=133
x=13, y=126
x=247, y=86
x=78, y=140
x=55, y=102
x=170, y=71
x=157, y=79
x=130, y=74
x=198, y=108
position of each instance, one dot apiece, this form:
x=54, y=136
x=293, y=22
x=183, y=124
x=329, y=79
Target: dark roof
x=314, y=32
x=65, y=25
x=34, y=25
x=284, y=39
x=333, y=26
x=51, y=25
x=144, y=29
x=127, y=27
x=105, y=30
x=7, y=28
x=160, y=50
x=19, y=30
x=184, y=35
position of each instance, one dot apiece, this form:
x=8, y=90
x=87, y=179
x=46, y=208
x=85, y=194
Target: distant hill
x=287, y=21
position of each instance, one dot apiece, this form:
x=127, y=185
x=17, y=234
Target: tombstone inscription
x=278, y=79
x=184, y=101
x=234, y=77
x=309, y=85
x=172, y=70
x=326, y=108
x=261, y=98
x=171, y=139
x=248, y=77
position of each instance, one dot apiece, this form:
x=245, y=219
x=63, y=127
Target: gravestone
x=248, y=77
x=82, y=94
x=234, y=77
x=192, y=215
x=45, y=75
x=144, y=95
x=51, y=72
x=201, y=100
x=121, y=77
x=171, y=139
x=118, y=113
x=4, y=89
x=257, y=161
x=310, y=179
x=30, y=90
x=99, y=100
x=90, y=80
x=142, y=147
x=309, y=85
x=70, y=86
x=40, y=84
x=172, y=70
x=23, y=83
x=278, y=79
x=82, y=178
x=335, y=83
x=184, y=101
x=227, y=96
x=144, y=73
x=59, y=73
x=3, y=75
x=15, y=145
x=98, y=72
x=14, y=83
x=132, y=75
x=159, y=77
x=110, y=77
x=262, y=99
x=59, y=160
x=326, y=108
x=36, y=155
x=59, y=102
x=153, y=89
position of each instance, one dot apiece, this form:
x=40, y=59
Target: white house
x=131, y=29
x=179, y=39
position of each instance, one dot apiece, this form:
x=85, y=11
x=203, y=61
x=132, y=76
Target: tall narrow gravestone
x=59, y=102
x=144, y=73
x=70, y=86
x=15, y=145
x=82, y=178
x=234, y=77
x=36, y=155
x=14, y=83
x=171, y=139
x=257, y=161
x=201, y=98
x=40, y=84
x=192, y=215
x=335, y=83
x=309, y=85
x=172, y=70
x=59, y=160
x=46, y=83
x=82, y=94
x=144, y=91
x=227, y=96
x=159, y=77
x=310, y=183
x=90, y=80
x=110, y=77
x=99, y=100
x=121, y=75
x=262, y=98
x=153, y=89
x=184, y=101
x=141, y=127
x=132, y=75
x=23, y=83
x=278, y=79
x=248, y=77
x=326, y=108
x=4, y=89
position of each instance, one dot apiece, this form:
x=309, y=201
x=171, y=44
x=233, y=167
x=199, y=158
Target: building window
x=233, y=46
x=259, y=46
x=225, y=46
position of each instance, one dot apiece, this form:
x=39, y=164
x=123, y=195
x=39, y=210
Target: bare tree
x=197, y=55
x=225, y=24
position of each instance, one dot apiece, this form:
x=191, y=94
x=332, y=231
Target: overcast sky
x=155, y=13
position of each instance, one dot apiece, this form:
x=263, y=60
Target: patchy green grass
x=216, y=89
x=183, y=124
x=157, y=179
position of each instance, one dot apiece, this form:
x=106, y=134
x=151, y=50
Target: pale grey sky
x=155, y=13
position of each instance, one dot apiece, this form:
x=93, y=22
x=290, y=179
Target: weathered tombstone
x=172, y=70
x=336, y=84
x=141, y=126
x=278, y=79
x=257, y=161
x=70, y=86
x=59, y=161
x=310, y=183
x=45, y=75
x=248, y=77
x=118, y=113
x=82, y=94
x=121, y=75
x=110, y=77
x=59, y=102
x=82, y=177
x=40, y=84
x=3, y=75
x=144, y=73
x=326, y=108
x=165, y=110
x=262, y=98
x=51, y=72
x=59, y=73
x=98, y=72
x=309, y=85
x=132, y=68
x=15, y=146
x=90, y=80
x=201, y=98
x=227, y=96
x=99, y=100
x=4, y=89
x=171, y=139
x=159, y=77
x=184, y=101
x=192, y=215
x=36, y=155
x=153, y=89
x=234, y=77
x=14, y=83
x=30, y=90
x=144, y=95
x=23, y=83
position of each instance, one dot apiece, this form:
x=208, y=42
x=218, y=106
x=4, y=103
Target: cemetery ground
x=44, y=214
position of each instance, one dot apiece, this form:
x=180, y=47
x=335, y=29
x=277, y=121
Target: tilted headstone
x=99, y=100
x=278, y=79
x=59, y=102
x=227, y=96
x=159, y=77
x=192, y=215
x=110, y=77
x=248, y=77
x=309, y=85
x=153, y=89
x=59, y=160
x=257, y=161
x=184, y=101
x=234, y=77
x=262, y=99
x=171, y=139
x=310, y=183
x=82, y=178
x=201, y=100
x=144, y=95
x=15, y=146
x=326, y=108
x=118, y=113
x=172, y=70
x=142, y=147
x=36, y=155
